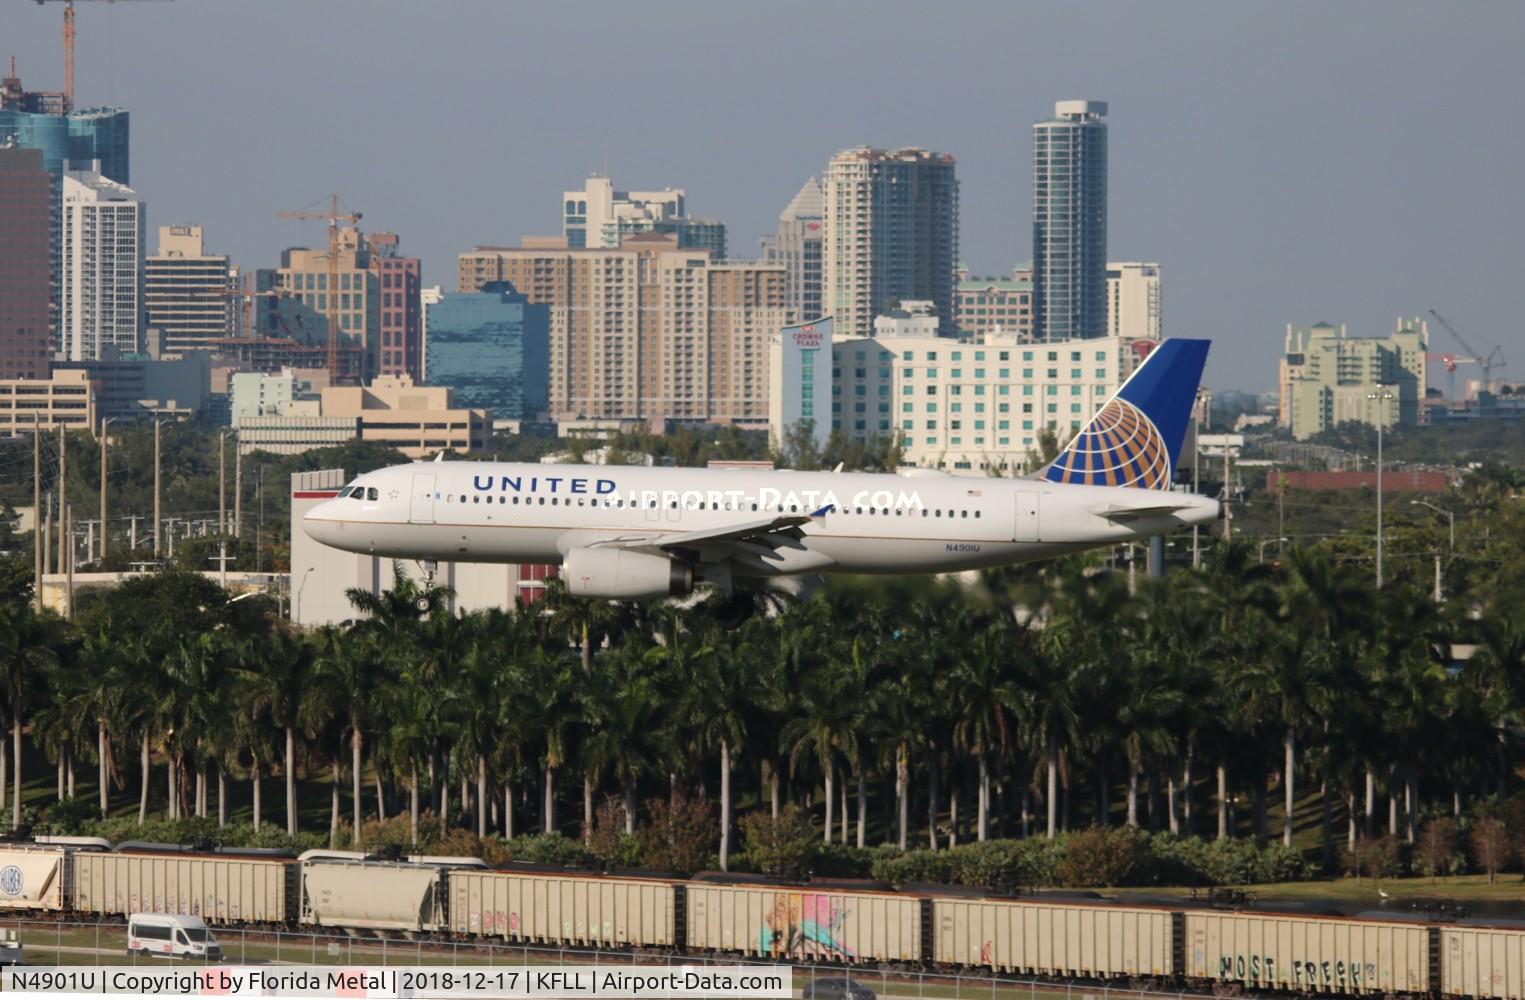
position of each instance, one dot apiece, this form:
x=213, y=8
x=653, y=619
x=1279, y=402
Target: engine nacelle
x=622, y=574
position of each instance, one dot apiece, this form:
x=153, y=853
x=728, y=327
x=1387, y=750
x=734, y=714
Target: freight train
x=1224, y=944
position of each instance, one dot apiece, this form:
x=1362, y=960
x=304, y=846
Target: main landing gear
x=424, y=602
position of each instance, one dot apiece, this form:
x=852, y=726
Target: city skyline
x=1229, y=170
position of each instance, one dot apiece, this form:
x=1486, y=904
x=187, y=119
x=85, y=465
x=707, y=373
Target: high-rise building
x=891, y=233
x=26, y=200
x=647, y=331
x=1133, y=300
x=399, y=333
x=1329, y=378
x=102, y=267
x=299, y=309
x=490, y=348
x=1070, y=222
x=996, y=306
x=797, y=246
x=186, y=292
x=599, y=216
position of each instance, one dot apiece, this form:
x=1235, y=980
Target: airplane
x=631, y=533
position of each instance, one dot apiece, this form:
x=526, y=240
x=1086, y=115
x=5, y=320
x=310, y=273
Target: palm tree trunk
x=725, y=804
x=508, y=810
x=143, y=762
x=1027, y=812
x=413, y=802
x=291, y=782
x=444, y=794
x=16, y=753
x=984, y=811
x=1392, y=801
x=100, y=757
x=932, y=794
x=60, y=769
x=173, y=804
x=381, y=797
x=550, y=799
x=1350, y=820
x=355, y=780
x=1289, y=785
x=1222, y=801
x=333, y=802
x=1371, y=802
x=773, y=789
x=953, y=788
x=830, y=770
x=254, y=777
x=1188, y=821
x=1326, y=820
x=1411, y=801
x=845, y=817
x=862, y=807
x=1133, y=797
x=629, y=807
x=1170, y=804
x=1053, y=791
x=481, y=796
x=902, y=794
x=587, y=806
x=222, y=797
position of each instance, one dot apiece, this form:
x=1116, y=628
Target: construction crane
x=333, y=216
x=69, y=49
x=1494, y=359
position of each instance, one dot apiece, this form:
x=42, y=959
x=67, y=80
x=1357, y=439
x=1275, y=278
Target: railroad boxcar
x=351, y=889
x=810, y=923
x=1483, y=959
x=1306, y=954
x=221, y=886
x=523, y=904
x=39, y=875
x=1039, y=937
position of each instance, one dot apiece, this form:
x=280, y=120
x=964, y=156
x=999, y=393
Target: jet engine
x=626, y=575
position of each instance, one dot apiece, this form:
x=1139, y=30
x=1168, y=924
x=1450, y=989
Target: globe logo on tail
x=1119, y=447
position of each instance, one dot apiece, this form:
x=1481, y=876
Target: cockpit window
x=358, y=494
x=344, y=492
x=372, y=494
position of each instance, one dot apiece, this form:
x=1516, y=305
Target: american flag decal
x=975, y=493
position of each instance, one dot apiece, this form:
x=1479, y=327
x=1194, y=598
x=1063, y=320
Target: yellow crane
x=69, y=49
x=331, y=314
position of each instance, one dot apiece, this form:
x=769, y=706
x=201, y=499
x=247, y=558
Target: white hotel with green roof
x=964, y=407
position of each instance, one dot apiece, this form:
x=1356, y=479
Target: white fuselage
x=873, y=523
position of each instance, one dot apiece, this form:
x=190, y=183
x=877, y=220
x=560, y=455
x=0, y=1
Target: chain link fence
x=91, y=944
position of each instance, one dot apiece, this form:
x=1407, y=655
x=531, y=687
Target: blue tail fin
x=1135, y=439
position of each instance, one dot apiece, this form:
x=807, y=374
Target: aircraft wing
x=748, y=538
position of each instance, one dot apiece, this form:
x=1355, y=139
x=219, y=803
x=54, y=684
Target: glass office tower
x=1070, y=222
x=492, y=348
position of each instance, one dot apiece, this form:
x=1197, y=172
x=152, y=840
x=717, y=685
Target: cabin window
x=976, y=513
x=476, y=499
x=754, y=506
x=963, y=513
x=542, y=501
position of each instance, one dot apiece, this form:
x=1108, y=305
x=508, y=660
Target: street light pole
x=1384, y=396
x=1451, y=551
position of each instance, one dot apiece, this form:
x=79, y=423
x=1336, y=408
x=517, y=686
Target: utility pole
x=238, y=490
x=47, y=535
x=63, y=498
x=222, y=483
x=68, y=534
x=1228, y=530
x=1382, y=398
x=158, y=521
x=36, y=519
x=105, y=535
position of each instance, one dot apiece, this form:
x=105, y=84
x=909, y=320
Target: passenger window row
x=620, y=503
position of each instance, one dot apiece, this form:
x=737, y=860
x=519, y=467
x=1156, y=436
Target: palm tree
x=983, y=701
x=830, y=714
x=275, y=688
x=29, y=646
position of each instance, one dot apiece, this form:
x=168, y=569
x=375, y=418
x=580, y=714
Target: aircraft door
x=1025, y=529
x=421, y=504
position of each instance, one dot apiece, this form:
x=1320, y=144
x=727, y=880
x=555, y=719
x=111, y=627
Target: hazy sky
x=1283, y=161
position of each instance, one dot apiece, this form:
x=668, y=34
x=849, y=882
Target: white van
x=171, y=935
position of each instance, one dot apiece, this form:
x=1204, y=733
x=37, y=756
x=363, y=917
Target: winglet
x=1136, y=438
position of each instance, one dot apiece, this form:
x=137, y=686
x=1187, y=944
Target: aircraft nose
x=321, y=523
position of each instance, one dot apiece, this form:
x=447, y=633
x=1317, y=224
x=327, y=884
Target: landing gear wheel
x=735, y=609
x=423, y=603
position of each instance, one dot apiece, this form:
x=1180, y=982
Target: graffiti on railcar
x=802, y=925
x=1258, y=968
